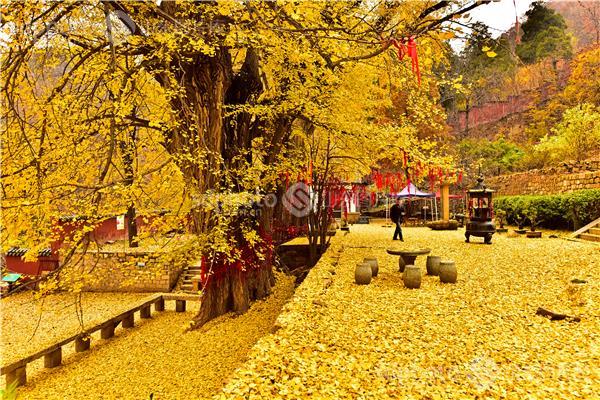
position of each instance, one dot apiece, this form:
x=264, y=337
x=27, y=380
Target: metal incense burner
x=480, y=213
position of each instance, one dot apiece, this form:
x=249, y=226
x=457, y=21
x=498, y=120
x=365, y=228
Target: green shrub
x=583, y=207
x=566, y=211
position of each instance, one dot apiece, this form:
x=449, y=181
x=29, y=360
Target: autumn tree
x=544, y=35
x=479, y=72
x=213, y=89
x=581, y=87
x=355, y=131
x=583, y=21
x=574, y=137
x=592, y=17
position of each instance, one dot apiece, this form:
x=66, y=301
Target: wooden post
x=445, y=197
x=160, y=305
x=18, y=374
x=108, y=331
x=128, y=321
x=180, y=305
x=196, y=283
x=145, y=312
x=53, y=359
x=82, y=343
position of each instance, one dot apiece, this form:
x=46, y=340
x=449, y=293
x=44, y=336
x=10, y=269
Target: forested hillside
x=583, y=20
x=529, y=98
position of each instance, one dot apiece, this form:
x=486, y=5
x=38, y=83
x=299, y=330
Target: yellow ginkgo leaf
x=491, y=54
x=485, y=48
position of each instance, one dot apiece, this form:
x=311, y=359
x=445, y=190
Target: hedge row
x=561, y=211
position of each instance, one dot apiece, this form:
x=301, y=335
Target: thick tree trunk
x=198, y=143
x=208, y=145
x=127, y=155
x=132, y=231
x=233, y=291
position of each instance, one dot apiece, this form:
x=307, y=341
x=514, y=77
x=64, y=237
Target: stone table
x=407, y=257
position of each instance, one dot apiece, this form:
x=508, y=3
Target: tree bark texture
x=208, y=144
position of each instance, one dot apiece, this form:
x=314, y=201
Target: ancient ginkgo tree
x=124, y=105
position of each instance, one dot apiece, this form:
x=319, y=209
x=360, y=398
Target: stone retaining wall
x=565, y=179
x=130, y=272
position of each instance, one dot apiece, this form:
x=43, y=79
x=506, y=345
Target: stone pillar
x=53, y=359
x=160, y=305
x=82, y=343
x=108, y=331
x=145, y=312
x=445, y=197
x=128, y=321
x=18, y=375
x=180, y=305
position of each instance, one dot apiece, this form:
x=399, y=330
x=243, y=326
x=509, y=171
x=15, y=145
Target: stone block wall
x=128, y=271
x=570, y=177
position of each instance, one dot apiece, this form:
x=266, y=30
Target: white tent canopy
x=411, y=191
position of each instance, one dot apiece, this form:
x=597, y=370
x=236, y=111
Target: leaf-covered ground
x=30, y=325
x=479, y=338
x=156, y=356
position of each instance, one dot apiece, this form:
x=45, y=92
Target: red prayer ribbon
x=408, y=47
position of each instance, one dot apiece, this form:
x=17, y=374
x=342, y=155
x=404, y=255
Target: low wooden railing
x=16, y=371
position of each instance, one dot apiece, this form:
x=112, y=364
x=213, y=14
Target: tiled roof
x=16, y=252
x=20, y=252
x=71, y=218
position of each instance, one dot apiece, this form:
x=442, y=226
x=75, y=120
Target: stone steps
x=590, y=237
x=590, y=232
x=185, y=281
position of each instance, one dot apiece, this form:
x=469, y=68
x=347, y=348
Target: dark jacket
x=396, y=213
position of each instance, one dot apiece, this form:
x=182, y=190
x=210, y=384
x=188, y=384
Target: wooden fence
x=16, y=371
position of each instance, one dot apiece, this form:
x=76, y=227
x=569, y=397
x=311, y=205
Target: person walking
x=397, y=216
